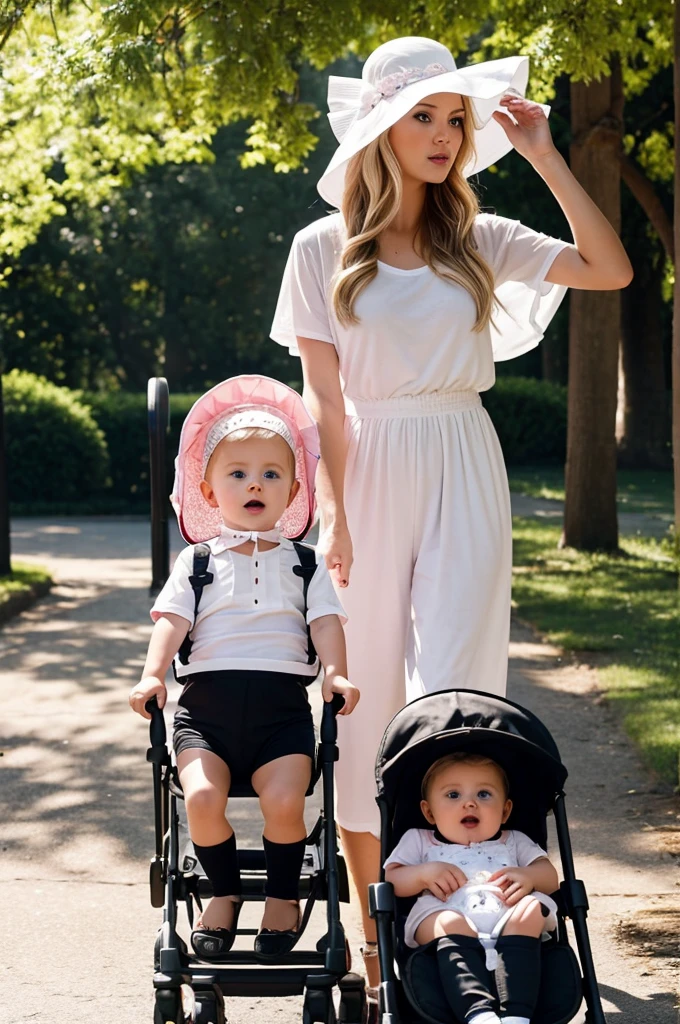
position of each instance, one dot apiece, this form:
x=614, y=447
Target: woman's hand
x=531, y=134
x=338, y=684
x=442, y=879
x=335, y=544
x=145, y=689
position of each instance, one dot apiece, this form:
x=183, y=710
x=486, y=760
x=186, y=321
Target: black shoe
x=211, y=944
x=270, y=944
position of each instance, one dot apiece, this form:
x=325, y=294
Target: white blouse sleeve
x=177, y=597
x=527, y=850
x=520, y=258
x=321, y=596
x=301, y=311
x=409, y=850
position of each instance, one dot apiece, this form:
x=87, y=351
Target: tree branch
x=643, y=190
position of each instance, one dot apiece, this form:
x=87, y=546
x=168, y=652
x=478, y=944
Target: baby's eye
x=238, y=474
x=453, y=794
x=271, y=474
x=484, y=794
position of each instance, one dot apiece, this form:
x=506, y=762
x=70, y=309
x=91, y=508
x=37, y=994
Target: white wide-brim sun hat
x=396, y=77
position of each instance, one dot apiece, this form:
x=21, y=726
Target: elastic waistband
x=412, y=405
x=244, y=677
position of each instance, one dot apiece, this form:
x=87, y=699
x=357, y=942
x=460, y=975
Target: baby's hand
x=144, y=691
x=338, y=684
x=514, y=883
x=442, y=879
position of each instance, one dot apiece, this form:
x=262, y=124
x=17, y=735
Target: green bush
x=55, y=450
x=123, y=418
x=530, y=417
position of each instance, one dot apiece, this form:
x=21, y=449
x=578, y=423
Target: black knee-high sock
x=468, y=985
x=518, y=974
x=220, y=863
x=284, y=864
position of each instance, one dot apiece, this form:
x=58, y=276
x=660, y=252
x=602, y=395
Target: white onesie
x=480, y=904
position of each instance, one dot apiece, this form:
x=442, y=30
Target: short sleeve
x=520, y=258
x=321, y=596
x=527, y=850
x=409, y=850
x=177, y=597
x=301, y=310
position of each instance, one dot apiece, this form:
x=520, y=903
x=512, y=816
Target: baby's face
x=251, y=481
x=467, y=802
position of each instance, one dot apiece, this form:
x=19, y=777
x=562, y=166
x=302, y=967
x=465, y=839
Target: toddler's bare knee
x=527, y=917
x=205, y=802
x=282, y=805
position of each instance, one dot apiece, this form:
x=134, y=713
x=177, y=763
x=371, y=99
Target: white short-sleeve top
x=415, y=332
x=511, y=849
x=251, y=617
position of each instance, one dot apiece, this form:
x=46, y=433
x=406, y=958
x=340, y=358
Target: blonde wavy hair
x=372, y=198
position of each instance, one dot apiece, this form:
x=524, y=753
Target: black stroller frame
x=475, y=724
x=189, y=991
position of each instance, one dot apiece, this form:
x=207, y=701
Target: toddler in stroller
x=477, y=931
x=246, y=649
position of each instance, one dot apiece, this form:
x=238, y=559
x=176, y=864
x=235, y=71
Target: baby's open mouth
x=470, y=820
x=254, y=503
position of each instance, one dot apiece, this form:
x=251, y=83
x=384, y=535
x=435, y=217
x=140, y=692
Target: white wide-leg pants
x=428, y=603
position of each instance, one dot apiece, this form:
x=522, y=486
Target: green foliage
x=55, y=450
x=530, y=417
x=623, y=612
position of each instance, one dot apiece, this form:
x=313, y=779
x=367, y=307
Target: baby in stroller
x=480, y=883
x=246, y=649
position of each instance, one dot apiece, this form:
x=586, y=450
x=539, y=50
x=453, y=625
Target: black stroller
x=465, y=720
x=188, y=991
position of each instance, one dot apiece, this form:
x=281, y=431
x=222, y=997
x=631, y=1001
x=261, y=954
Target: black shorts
x=247, y=718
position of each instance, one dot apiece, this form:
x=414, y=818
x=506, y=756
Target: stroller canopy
x=450, y=721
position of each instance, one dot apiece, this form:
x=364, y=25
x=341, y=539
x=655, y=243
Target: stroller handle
x=157, y=732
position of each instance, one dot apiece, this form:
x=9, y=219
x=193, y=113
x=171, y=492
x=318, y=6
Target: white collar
x=228, y=538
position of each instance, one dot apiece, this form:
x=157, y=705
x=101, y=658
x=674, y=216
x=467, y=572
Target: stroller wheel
x=209, y=1007
x=168, y=1007
x=352, y=1008
x=318, y=1006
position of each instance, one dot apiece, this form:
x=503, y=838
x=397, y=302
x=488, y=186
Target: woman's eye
x=420, y=115
x=456, y=122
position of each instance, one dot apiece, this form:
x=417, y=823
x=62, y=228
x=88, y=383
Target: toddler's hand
x=337, y=684
x=442, y=879
x=514, y=883
x=144, y=691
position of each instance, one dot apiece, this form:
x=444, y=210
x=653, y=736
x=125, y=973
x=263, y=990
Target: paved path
x=630, y=523
x=78, y=932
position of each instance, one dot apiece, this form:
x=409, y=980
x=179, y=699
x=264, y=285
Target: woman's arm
x=324, y=399
x=599, y=261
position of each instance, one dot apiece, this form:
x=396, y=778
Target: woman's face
x=427, y=139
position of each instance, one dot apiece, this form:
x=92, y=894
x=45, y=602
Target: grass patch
x=26, y=584
x=642, y=490
x=622, y=610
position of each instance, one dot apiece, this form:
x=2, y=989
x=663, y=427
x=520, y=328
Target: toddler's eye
x=484, y=794
x=271, y=474
x=453, y=794
x=238, y=474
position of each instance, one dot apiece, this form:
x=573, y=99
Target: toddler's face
x=467, y=802
x=251, y=482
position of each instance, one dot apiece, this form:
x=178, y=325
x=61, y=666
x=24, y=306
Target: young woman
x=398, y=306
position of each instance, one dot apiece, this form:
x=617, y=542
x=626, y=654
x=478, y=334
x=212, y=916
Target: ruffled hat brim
x=198, y=521
x=485, y=84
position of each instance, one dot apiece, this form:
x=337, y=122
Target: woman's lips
x=438, y=159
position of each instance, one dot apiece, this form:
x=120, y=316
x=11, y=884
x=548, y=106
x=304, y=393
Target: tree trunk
x=5, y=550
x=643, y=437
x=676, y=289
x=590, y=521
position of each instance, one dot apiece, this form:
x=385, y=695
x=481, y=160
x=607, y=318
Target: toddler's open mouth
x=254, y=505
x=470, y=821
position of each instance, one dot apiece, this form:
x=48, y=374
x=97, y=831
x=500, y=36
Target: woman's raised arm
x=323, y=397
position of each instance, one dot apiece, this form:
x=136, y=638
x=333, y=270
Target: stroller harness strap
x=201, y=578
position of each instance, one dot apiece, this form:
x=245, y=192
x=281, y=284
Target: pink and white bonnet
x=245, y=401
